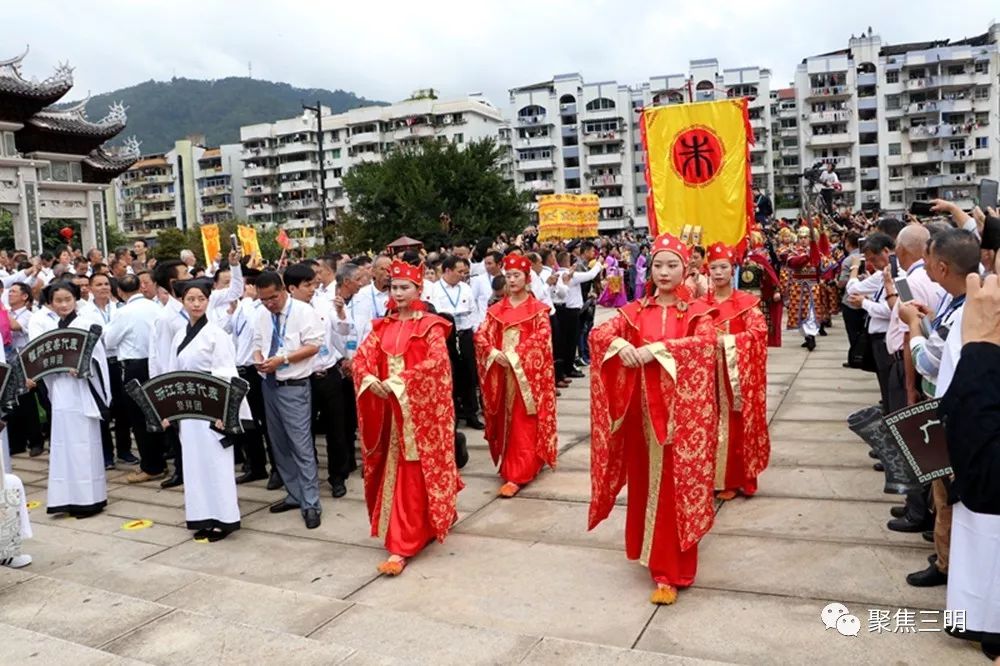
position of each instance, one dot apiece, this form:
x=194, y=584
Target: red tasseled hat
x=668, y=243
x=719, y=252
x=400, y=270
x=518, y=262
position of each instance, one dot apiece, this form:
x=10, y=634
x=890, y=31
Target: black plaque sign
x=176, y=396
x=11, y=386
x=61, y=350
x=920, y=434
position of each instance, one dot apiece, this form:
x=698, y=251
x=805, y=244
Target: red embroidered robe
x=519, y=402
x=744, y=445
x=772, y=310
x=408, y=439
x=655, y=427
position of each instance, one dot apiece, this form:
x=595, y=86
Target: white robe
x=76, y=459
x=210, y=498
x=974, y=568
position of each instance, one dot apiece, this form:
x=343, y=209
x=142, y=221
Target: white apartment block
x=186, y=186
x=283, y=160
x=787, y=171
x=903, y=122
x=568, y=136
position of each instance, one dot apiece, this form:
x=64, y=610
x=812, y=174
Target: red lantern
x=66, y=233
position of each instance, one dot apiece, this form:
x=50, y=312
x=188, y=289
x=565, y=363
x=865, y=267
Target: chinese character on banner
x=74, y=344
x=57, y=344
x=878, y=620
x=905, y=621
x=929, y=621
x=954, y=619
x=180, y=405
x=213, y=393
x=59, y=359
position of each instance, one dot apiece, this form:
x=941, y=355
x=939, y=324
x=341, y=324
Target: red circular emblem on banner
x=697, y=155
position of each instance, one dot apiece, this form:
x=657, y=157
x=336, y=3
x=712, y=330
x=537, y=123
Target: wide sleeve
x=745, y=356
x=370, y=408
x=491, y=375
x=535, y=370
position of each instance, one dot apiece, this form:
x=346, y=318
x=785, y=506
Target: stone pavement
x=518, y=581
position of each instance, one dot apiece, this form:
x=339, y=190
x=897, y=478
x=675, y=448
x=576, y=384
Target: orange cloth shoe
x=726, y=495
x=509, y=489
x=663, y=595
x=392, y=567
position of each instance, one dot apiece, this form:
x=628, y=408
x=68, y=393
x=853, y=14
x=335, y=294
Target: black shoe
x=874, y=456
x=251, y=476
x=461, y=450
x=932, y=558
x=108, y=465
x=275, y=481
x=173, y=482
x=575, y=374
x=878, y=467
x=822, y=331
x=805, y=343
x=475, y=423
x=282, y=506
x=128, y=459
x=991, y=649
x=904, y=524
x=36, y=451
x=311, y=516
x=898, y=511
x=928, y=535
x=810, y=342
x=964, y=634
x=929, y=577
x=339, y=489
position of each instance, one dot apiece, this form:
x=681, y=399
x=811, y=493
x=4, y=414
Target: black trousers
x=120, y=425
x=151, y=445
x=253, y=441
x=465, y=379
x=854, y=322
x=24, y=428
x=328, y=405
x=881, y=355
x=569, y=336
x=557, y=362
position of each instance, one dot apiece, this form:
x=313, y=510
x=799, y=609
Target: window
x=956, y=168
x=983, y=92
x=895, y=173
x=335, y=154
x=891, y=102
x=982, y=67
x=896, y=197
x=982, y=142
x=956, y=144
x=895, y=149
x=892, y=76
x=983, y=119
x=600, y=103
x=982, y=167
x=893, y=124
x=459, y=138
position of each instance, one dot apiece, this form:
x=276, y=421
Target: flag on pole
x=283, y=240
x=698, y=169
x=247, y=236
x=210, y=242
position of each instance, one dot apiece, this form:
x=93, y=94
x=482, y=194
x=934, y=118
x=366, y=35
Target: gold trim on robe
x=389, y=480
x=397, y=364
x=733, y=370
x=655, y=478
x=722, y=439
x=511, y=338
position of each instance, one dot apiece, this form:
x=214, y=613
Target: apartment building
x=787, y=169
x=903, y=122
x=292, y=174
x=570, y=136
x=186, y=186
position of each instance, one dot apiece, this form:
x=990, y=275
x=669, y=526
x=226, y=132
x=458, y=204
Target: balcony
x=959, y=80
x=758, y=123
x=297, y=185
x=421, y=131
x=835, y=139
x=256, y=153
x=938, y=131
x=293, y=147
x=606, y=180
x=297, y=166
x=254, y=210
x=940, y=106
x=531, y=120
x=611, y=202
x=758, y=169
x=923, y=83
x=867, y=79
x=611, y=224
x=567, y=109
x=828, y=92
x=540, y=164
x=259, y=190
x=868, y=150
x=539, y=186
x=942, y=180
x=569, y=131
x=159, y=179
x=604, y=158
x=829, y=117
x=257, y=171
x=156, y=197
x=305, y=223
x=867, y=126
x=362, y=138
x=788, y=131
x=298, y=204
x=571, y=152
x=867, y=103
x=216, y=208
x=535, y=142
x=926, y=156
x=609, y=136
x=158, y=215
x=869, y=173
x=759, y=146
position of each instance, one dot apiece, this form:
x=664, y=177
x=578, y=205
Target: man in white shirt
x=326, y=284
x=569, y=322
x=287, y=335
x=373, y=299
x=227, y=288
x=452, y=296
x=827, y=185
x=482, y=284
x=130, y=332
x=869, y=294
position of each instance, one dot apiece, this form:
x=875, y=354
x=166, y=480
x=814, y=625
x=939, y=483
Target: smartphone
x=988, y=189
x=921, y=208
x=862, y=267
x=234, y=243
x=893, y=265
x=903, y=289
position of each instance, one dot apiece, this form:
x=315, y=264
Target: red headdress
x=400, y=270
x=720, y=252
x=667, y=243
x=518, y=262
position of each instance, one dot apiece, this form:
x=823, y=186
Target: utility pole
x=322, y=171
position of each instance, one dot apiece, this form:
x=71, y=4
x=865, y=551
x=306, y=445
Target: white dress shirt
x=345, y=332
x=328, y=354
x=42, y=321
x=105, y=316
x=371, y=305
x=874, y=304
x=482, y=291
x=574, y=297
x=241, y=326
x=23, y=318
x=456, y=301
x=299, y=325
x=220, y=299
x=924, y=291
x=540, y=288
x=170, y=319
x=131, y=329
x=952, y=351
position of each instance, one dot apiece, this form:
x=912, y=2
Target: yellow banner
x=567, y=216
x=698, y=169
x=210, y=242
x=248, y=240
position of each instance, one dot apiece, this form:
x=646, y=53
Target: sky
x=388, y=48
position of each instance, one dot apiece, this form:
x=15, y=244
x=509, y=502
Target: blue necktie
x=272, y=378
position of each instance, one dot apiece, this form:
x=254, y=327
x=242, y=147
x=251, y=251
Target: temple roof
x=68, y=130
x=21, y=98
x=102, y=164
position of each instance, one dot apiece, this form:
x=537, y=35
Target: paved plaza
x=518, y=581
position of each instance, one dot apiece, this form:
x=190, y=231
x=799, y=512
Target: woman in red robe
x=407, y=431
x=514, y=355
x=744, y=445
x=653, y=421
x=759, y=277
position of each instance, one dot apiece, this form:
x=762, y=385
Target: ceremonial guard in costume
x=76, y=465
x=743, y=442
x=514, y=355
x=653, y=422
x=806, y=302
x=758, y=277
x=210, y=503
x=407, y=423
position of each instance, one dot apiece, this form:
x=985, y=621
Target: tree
x=116, y=238
x=169, y=243
x=406, y=193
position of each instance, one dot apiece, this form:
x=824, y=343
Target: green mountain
x=160, y=112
